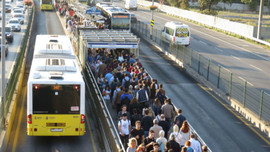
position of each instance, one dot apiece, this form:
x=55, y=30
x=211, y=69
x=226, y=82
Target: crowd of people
x=145, y=114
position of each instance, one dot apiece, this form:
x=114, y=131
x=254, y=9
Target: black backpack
x=126, y=83
x=126, y=102
x=161, y=97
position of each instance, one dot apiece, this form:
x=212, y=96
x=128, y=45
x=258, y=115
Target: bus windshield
x=46, y=1
x=56, y=99
x=120, y=21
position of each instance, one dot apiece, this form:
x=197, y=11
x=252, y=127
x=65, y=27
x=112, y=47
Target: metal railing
x=107, y=121
x=235, y=87
x=13, y=78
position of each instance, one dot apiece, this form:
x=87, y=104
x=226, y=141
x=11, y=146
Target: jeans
x=124, y=140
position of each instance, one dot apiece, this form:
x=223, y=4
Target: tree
x=207, y=4
x=184, y=4
x=252, y=4
x=174, y=3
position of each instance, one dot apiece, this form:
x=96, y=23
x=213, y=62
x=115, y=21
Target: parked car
x=9, y=34
x=22, y=7
x=133, y=18
x=16, y=11
x=14, y=24
x=18, y=8
x=19, y=2
x=6, y=48
x=8, y=8
x=20, y=17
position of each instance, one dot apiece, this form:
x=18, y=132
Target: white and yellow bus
x=47, y=5
x=55, y=90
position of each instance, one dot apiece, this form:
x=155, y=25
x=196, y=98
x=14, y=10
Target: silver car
x=20, y=17
x=14, y=24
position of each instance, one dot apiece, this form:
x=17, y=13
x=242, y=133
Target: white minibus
x=176, y=32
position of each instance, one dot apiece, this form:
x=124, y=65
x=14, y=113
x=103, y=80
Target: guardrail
x=13, y=78
x=108, y=124
x=254, y=101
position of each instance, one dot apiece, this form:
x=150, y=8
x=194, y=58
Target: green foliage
x=268, y=3
x=207, y=4
x=174, y=3
x=184, y=4
x=211, y=12
x=252, y=4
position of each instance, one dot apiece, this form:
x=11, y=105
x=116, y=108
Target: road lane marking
x=236, y=57
x=19, y=123
x=219, y=49
x=256, y=67
x=245, y=80
x=218, y=39
x=91, y=134
x=237, y=116
x=203, y=42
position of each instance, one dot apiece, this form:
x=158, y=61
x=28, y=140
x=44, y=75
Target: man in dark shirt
x=138, y=132
x=164, y=124
x=150, y=141
x=147, y=122
x=174, y=145
x=180, y=118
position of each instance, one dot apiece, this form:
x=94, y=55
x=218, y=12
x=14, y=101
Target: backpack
x=126, y=83
x=161, y=97
x=126, y=102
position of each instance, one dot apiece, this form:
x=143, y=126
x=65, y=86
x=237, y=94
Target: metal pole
x=260, y=19
x=219, y=67
x=261, y=105
x=152, y=14
x=245, y=94
x=3, y=71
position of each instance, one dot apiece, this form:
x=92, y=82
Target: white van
x=176, y=32
x=131, y=5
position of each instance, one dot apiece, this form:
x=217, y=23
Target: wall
x=217, y=22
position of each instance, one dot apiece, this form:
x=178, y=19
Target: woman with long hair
x=176, y=134
x=132, y=145
x=185, y=132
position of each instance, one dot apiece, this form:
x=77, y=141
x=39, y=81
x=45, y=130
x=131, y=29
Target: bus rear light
x=29, y=119
x=173, y=39
x=76, y=129
x=189, y=39
x=84, y=131
x=82, y=119
x=36, y=87
x=76, y=87
x=35, y=129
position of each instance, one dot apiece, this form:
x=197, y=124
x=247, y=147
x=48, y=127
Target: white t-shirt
x=124, y=124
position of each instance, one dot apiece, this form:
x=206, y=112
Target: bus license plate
x=57, y=130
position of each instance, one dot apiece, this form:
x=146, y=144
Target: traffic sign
x=152, y=22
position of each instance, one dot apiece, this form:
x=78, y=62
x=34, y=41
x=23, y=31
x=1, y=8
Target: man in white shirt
x=195, y=144
x=124, y=127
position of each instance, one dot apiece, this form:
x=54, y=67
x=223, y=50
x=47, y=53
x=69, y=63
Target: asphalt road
x=48, y=23
x=219, y=128
x=247, y=60
x=14, y=46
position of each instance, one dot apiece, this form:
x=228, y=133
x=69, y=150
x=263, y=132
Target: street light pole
x=260, y=20
x=3, y=71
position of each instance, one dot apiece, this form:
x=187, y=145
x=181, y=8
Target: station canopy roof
x=109, y=39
